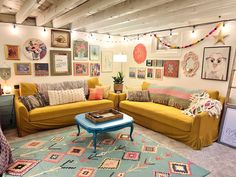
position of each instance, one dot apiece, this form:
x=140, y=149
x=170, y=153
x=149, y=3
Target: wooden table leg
x=78, y=130
x=94, y=141
x=131, y=131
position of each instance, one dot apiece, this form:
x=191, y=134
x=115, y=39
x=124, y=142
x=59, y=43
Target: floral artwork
x=12, y=52
x=94, y=69
x=35, y=49
x=171, y=68
x=94, y=52
x=80, y=50
x=81, y=69
x=60, y=39
x=150, y=73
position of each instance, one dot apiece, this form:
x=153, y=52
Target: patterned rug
x=65, y=155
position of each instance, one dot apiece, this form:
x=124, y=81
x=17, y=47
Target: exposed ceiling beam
x=26, y=9
x=86, y=9
x=1, y=5
x=161, y=17
x=119, y=10
x=57, y=9
x=144, y=14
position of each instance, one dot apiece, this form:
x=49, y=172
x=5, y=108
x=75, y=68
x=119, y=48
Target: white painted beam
x=119, y=10
x=1, y=5
x=56, y=10
x=86, y=9
x=27, y=8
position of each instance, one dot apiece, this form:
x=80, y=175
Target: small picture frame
x=141, y=73
x=107, y=61
x=22, y=68
x=150, y=73
x=80, y=50
x=95, y=69
x=41, y=69
x=12, y=52
x=94, y=52
x=60, y=39
x=60, y=63
x=81, y=69
x=132, y=72
x=171, y=68
x=148, y=62
x=159, y=73
x=215, y=64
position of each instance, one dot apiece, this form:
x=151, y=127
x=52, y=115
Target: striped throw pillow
x=159, y=94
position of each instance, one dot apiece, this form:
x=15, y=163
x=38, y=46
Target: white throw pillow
x=65, y=96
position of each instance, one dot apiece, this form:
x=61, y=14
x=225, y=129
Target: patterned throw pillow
x=106, y=90
x=159, y=94
x=57, y=97
x=95, y=93
x=33, y=101
x=141, y=96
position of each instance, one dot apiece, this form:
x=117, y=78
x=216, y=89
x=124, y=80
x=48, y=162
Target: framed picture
x=35, y=49
x=171, y=68
x=60, y=39
x=81, y=69
x=141, y=73
x=60, y=63
x=132, y=72
x=5, y=73
x=159, y=73
x=150, y=73
x=159, y=63
x=22, y=68
x=228, y=126
x=94, y=52
x=80, y=50
x=94, y=69
x=41, y=69
x=12, y=52
x=107, y=61
x=215, y=63
x=148, y=62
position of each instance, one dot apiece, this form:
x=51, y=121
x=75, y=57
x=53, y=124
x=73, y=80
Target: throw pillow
x=33, y=101
x=106, y=90
x=65, y=96
x=95, y=93
x=141, y=96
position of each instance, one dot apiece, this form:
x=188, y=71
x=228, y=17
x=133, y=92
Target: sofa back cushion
x=65, y=96
x=140, y=96
x=27, y=89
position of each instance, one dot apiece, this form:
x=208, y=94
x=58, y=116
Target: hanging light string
x=171, y=46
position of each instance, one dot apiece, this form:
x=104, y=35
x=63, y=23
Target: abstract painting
x=35, y=49
x=12, y=52
x=141, y=73
x=81, y=69
x=41, y=69
x=94, y=52
x=80, y=50
x=171, y=68
x=60, y=39
x=94, y=69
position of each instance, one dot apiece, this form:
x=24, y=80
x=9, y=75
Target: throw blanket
x=5, y=153
x=202, y=103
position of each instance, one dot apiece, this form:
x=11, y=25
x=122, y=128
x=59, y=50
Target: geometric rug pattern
x=65, y=155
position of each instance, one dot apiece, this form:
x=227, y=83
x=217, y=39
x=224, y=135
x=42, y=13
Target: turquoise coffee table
x=103, y=127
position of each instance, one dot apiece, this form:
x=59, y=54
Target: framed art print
x=159, y=73
x=107, y=61
x=150, y=73
x=80, y=50
x=141, y=73
x=215, y=63
x=81, y=69
x=94, y=69
x=171, y=68
x=132, y=72
x=41, y=69
x=94, y=52
x=12, y=52
x=148, y=62
x=22, y=68
x=60, y=39
x=35, y=49
x=60, y=63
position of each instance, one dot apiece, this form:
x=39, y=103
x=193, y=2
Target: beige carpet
x=217, y=158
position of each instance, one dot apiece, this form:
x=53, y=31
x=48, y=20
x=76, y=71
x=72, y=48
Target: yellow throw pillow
x=129, y=89
x=145, y=85
x=93, y=82
x=27, y=89
x=106, y=90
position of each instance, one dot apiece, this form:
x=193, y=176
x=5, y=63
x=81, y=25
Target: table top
x=81, y=120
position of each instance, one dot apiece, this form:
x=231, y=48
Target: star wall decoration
x=220, y=38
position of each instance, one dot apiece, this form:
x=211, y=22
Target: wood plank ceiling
x=115, y=17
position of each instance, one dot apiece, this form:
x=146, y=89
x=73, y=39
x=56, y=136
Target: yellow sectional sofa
x=50, y=117
x=195, y=132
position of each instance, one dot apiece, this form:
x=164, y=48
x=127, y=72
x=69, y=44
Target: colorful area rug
x=66, y=155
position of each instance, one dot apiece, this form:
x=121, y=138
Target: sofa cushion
x=27, y=89
x=50, y=112
x=165, y=114
x=93, y=82
x=142, y=96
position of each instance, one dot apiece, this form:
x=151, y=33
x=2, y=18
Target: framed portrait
x=132, y=72
x=81, y=69
x=150, y=73
x=141, y=73
x=94, y=52
x=80, y=50
x=171, y=68
x=60, y=63
x=215, y=63
x=148, y=62
x=159, y=73
x=22, y=68
x=60, y=39
x=41, y=69
x=35, y=49
x=94, y=69
x=107, y=61
x=12, y=52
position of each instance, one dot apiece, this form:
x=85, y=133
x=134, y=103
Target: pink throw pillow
x=96, y=93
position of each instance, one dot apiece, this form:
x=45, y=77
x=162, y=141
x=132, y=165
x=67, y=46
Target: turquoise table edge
x=103, y=127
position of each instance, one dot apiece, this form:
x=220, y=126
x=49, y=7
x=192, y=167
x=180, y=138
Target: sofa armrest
x=122, y=97
x=114, y=98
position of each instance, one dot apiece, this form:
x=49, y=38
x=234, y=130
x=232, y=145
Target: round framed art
x=140, y=53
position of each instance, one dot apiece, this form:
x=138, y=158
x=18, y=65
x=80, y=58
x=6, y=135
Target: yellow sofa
x=50, y=117
x=195, y=132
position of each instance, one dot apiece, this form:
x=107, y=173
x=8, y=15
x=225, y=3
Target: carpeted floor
x=218, y=159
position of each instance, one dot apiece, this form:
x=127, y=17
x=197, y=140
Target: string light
x=170, y=32
x=14, y=25
x=44, y=29
x=193, y=34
